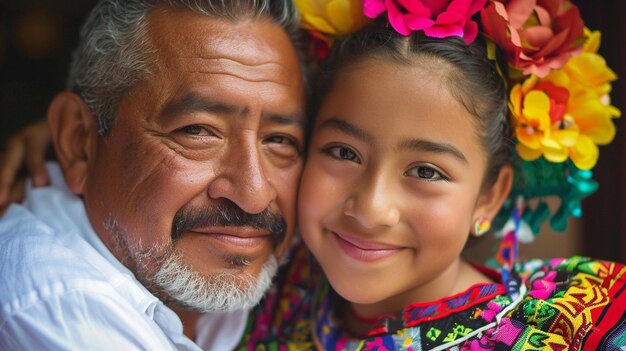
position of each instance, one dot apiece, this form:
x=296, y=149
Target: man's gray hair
x=114, y=52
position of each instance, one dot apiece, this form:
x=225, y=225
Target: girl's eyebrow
x=432, y=146
x=406, y=144
x=347, y=128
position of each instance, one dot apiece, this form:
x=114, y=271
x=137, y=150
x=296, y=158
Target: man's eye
x=280, y=139
x=425, y=173
x=342, y=153
x=282, y=145
x=196, y=130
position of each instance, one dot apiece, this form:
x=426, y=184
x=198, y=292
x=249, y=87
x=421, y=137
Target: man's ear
x=74, y=136
x=492, y=198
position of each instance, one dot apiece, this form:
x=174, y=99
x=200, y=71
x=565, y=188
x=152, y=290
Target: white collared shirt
x=62, y=289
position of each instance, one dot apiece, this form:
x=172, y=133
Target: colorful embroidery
x=562, y=304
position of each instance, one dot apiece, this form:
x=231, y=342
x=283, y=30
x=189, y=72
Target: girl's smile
x=364, y=250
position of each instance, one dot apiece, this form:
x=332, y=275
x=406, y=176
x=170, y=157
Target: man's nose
x=244, y=180
x=372, y=204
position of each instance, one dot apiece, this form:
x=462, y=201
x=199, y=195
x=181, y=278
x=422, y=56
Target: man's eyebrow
x=297, y=118
x=431, y=146
x=193, y=102
x=347, y=128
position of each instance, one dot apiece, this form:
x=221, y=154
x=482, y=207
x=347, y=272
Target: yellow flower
x=538, y=122
x=590, y=74
x=332, y=17
x=567, y=114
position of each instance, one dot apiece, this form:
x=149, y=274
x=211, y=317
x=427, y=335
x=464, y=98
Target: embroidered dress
x=558, y=304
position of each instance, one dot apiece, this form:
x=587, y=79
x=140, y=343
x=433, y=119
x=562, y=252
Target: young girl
x=410, y=151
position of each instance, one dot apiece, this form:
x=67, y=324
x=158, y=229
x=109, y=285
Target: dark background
x=36, y=38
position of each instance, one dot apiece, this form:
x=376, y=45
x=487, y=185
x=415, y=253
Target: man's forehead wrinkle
x=241, y=39
x=243, y=69
x=252, y=50
x=242, y=61
x=216, y=40
x=255, y=54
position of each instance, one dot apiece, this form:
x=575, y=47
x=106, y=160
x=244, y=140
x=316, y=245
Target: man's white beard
x=219, y=292
x=163, y=272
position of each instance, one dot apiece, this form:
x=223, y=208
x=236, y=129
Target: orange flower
x=536, y=35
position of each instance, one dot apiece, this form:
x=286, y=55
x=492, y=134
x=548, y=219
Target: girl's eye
x=426, y=173
x=196, y=130
x=343, y=153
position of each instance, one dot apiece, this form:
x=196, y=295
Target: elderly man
x=180, y=148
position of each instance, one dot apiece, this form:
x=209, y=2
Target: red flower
x=537, y=35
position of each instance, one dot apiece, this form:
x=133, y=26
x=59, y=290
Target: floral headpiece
x=558, y=84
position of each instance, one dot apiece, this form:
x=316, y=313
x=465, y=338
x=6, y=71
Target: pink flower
x=536, y=35
x=437, y=18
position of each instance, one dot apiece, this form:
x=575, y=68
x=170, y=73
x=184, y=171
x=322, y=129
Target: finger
x=18, y=190
x=34, y=157
x=17, y=193
x=10, y=163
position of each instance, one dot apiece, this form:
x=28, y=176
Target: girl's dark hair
x=469, y=75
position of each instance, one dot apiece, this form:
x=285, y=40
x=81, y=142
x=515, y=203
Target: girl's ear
x=74, y=135
x=491, y=199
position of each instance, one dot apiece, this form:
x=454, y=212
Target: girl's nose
x=372, y=204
